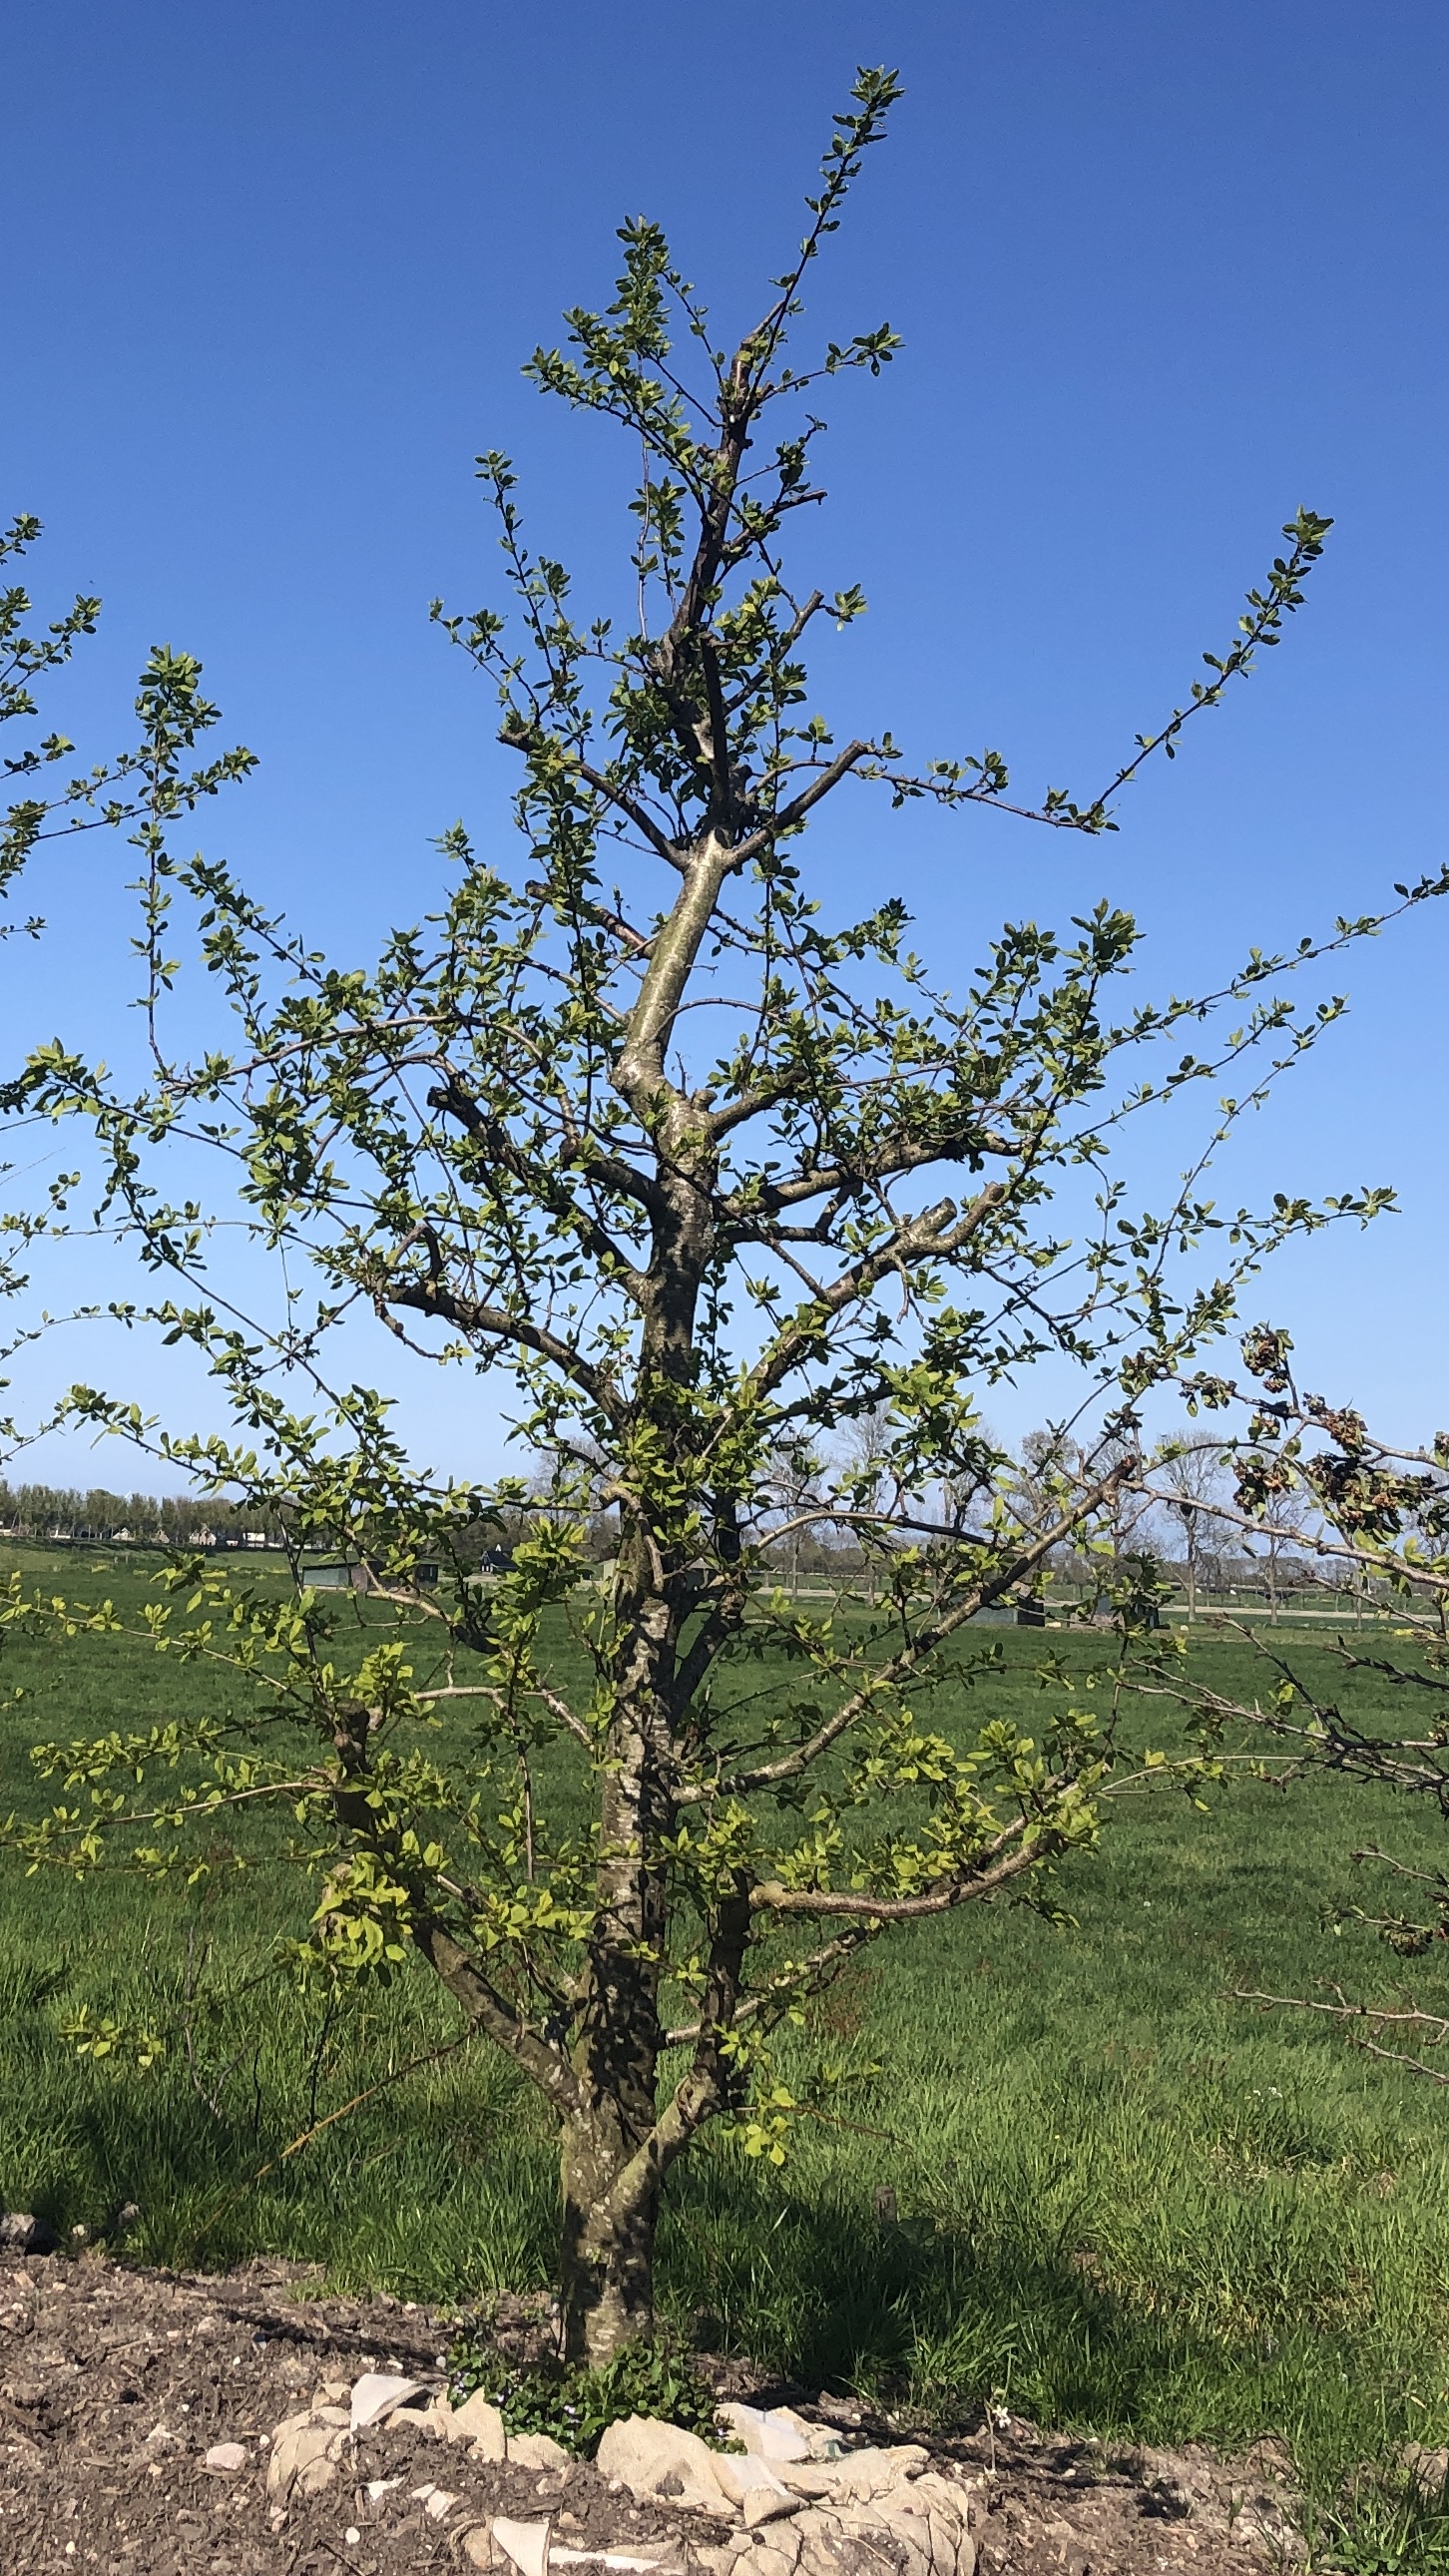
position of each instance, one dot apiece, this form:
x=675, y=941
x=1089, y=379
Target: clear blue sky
x=1162, y=274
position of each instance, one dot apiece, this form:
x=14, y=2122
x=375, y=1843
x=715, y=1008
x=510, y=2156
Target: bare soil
x=115, y=2381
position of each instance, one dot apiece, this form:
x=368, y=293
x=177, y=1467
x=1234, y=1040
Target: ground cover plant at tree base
x=704, y=1181
x=576, y=2404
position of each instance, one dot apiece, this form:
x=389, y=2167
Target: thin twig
x=430, y=2057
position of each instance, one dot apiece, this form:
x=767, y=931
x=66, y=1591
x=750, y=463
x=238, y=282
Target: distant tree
x=704, y=1178
x=1188, y=1476
x=796, y=1478
x=1274, y=1524
x=868, y=1507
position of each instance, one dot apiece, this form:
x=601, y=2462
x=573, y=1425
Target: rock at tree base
x=882, y=2511
x=742, y=2477
x=377, y=2394
x=860, y=2476
x=778, y=2433
x=536, y=2451
x=662, y=2461
x=663, y=2561
x=480, y=2423
x=525, y=2543
x=773, y=2559
x=768, y=2504
x=22, y=2233
x=304, y=2454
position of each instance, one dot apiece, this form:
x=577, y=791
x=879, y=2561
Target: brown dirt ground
x=115, y=2381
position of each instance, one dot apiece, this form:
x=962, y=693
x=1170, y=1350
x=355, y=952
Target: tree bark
x=607, y=2272
x=610, y=2190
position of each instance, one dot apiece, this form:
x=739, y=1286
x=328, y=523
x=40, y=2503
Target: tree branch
x=770, y=1898
x=546, y=2065
x=494, y=1323
x=453, y=1101
x=927, y=1638
x=519, y=737
x=923, y=1235
x=799, y=806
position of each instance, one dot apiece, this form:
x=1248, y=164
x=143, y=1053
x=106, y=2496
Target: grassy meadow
x=1126, y=2203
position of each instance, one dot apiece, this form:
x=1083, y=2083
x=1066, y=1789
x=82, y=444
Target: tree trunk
x=607, y=2272
x=610, y=2189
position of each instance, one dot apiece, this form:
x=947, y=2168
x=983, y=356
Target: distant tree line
x=158, y=1520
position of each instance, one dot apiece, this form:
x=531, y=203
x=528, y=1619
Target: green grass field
x=1126, y=2203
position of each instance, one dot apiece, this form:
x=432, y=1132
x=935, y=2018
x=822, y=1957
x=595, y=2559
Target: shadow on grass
x=816, y=2288
x=449, y=2195
x=947, y=2319
x=444, y=2192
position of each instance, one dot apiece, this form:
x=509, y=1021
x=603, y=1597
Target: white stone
x=526, y=2543
x=439, y=2505
x=228, y=2457
x=768, y=2432
x=766, y=2559
x=953, y=2551
x=768, y=2504
x=655, y=2459
x=860, y=2476
x=22, y=2233
x=829, y=2548
x=536, y=2451
x=297, y=2445
x=741, y=2476
x=938, y=2494
x=478, y=2422
x=377, y=2488
x=620, y=2562
x=912, y=2530
x=376, y=2395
